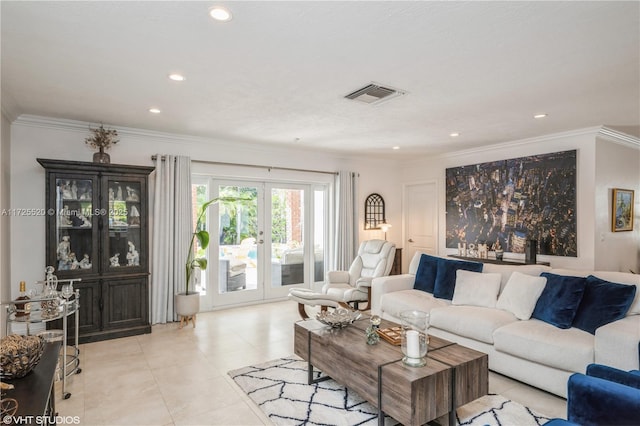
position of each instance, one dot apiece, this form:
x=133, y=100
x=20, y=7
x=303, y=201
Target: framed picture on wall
x=622, y=210
x=505, y=203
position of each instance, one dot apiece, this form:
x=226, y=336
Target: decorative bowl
x=338, y=318
x=19, y=355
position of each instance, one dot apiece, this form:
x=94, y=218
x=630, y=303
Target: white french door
x=262, y=247
x=237, y=253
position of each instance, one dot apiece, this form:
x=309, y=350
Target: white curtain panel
x=170, y=234
x=346, y=237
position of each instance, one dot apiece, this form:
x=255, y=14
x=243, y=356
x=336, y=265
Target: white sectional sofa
x=527, y=349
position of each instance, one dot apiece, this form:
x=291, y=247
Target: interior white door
x=421, y=220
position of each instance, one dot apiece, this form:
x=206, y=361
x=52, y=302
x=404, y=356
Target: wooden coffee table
x=453, y=376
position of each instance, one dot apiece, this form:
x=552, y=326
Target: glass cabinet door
x=73, y=216
x=124, y=246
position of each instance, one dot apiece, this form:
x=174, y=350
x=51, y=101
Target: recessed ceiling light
x=454, y=135
x=396, y=147
x=540, y=116
x=154, y=110
x=176, y=77
x=220, y=14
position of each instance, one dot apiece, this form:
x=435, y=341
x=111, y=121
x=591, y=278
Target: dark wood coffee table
x=453, y=376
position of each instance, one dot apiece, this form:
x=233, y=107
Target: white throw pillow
x=521, y=294
x=476, y=288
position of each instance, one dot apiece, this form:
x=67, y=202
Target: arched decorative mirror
x=374, y=212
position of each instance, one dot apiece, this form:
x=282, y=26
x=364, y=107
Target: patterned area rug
x=280, y=389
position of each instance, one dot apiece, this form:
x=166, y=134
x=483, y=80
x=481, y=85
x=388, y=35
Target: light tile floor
x=179, y=376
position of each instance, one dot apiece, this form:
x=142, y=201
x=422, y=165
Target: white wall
x=617, y=166
x=5, y=178
x=37, y=137
x=584, y=141
x=33, y=137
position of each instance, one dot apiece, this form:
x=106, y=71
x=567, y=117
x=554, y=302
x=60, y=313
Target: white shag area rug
x=280, y=389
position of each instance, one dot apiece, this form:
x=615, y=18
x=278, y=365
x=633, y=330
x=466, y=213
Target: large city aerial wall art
x=512, y=201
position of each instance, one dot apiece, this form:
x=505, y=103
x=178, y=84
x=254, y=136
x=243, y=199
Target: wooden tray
x=391, y=334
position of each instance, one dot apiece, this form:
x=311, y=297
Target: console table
x=35, y=391
x=497, y=262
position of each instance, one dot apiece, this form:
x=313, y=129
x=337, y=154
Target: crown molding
x=520, y=142
x=619, y=137
x=123, y=131
x=83, y=126
x=63, y=124
x=596, y=131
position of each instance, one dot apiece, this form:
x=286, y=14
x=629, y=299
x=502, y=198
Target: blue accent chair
x=603, y=396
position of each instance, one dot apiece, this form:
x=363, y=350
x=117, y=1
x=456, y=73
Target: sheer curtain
x=170, y=234
x=346, y=237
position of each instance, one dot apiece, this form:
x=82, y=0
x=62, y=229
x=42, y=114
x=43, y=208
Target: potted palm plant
x=187, y=304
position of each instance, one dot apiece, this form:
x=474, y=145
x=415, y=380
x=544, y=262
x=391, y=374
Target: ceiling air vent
x=374, y=94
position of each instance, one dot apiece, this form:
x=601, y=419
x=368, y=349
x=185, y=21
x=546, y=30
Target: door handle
x=410, y=240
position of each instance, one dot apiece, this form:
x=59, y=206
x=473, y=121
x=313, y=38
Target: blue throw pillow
x=426, y=273
x=446, y=278
x=559, y=300
x=603, y=302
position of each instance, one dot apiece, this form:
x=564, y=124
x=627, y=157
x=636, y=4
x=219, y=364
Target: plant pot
x=101, y=157
x=187, y=304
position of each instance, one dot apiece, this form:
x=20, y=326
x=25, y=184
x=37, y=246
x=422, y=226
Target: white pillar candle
x=413, y=344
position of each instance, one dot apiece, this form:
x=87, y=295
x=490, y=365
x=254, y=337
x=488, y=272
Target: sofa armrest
x=595, y=401
x=616, y=343
x=388, y=284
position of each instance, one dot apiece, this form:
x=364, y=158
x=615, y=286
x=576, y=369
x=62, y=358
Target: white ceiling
x=279, y=70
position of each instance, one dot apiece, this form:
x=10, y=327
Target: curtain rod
x=269, y=168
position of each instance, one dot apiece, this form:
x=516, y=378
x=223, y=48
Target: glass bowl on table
x=338, y=318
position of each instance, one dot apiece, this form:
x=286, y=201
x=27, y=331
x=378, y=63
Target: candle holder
x=415, y=339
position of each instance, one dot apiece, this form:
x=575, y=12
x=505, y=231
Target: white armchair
x=374, y=259
x=345, y=288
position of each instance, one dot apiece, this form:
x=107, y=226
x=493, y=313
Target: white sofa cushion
x=617, y=343
x=521, y=294
x=408, y=300
x=568, y=349
x=476, y=288
x=506, y=270
x=474, y=322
